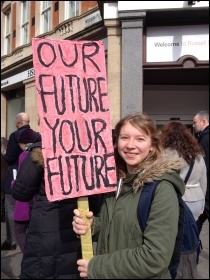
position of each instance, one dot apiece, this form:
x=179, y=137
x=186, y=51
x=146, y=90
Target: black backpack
x=187, y=239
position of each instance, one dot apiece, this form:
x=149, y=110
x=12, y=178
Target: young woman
x=123, y=250
x=176, y=135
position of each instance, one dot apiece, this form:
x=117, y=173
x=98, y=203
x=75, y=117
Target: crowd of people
x=49, y=237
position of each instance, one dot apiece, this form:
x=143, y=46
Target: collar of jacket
x=205, y=131
x=24, y=126
x=168, y=162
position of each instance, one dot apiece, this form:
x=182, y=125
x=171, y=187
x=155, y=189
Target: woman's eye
x=123, y=137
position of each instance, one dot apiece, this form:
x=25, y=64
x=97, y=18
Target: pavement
x=11, y=260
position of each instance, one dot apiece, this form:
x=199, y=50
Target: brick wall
x=55, y=13
x=13, y=19
x=87, y=5
x=32, y=20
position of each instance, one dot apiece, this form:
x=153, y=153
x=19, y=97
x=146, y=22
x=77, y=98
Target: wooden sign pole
x=86, y=239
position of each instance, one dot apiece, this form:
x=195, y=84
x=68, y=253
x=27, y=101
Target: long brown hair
x=146, y=124
x=176, y=135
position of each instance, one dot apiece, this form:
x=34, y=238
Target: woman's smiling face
x=134, y=145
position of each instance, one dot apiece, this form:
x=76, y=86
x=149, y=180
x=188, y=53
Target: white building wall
x=111, y=9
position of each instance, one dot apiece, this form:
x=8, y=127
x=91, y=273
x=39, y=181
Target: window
x=72, y=9
x=25, y=22
x=46, y=16
x=7, y=32
x=15, y=104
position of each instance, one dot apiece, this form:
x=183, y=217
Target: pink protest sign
x=75, y=121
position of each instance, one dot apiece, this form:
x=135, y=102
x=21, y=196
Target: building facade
x=162, y=57
x=157, y=54
x=23, y=20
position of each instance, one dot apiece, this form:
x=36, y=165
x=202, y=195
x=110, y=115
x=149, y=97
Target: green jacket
x=123, y=251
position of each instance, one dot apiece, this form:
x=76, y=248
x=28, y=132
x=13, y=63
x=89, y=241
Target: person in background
x=4, y=167
x=23, y=209
x=201, y=126
x=123, y=250
x=11, y=156
x=52, y=248
x=176, y=136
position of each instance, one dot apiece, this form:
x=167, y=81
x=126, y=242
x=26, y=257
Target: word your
x=76, y=132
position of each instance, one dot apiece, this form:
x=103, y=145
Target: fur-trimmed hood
x=36, y=153
x=37, y=156
x=169, y=162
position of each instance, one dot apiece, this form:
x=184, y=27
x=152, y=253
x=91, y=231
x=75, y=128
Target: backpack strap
x=34, y=145
x=175, y=259
x=143, y=210
x=146, y=199
x=189, y=172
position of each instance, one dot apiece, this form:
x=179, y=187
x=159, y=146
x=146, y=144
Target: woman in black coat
x=52, y=247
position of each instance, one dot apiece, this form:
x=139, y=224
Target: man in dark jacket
x=11, y=156
x=201, y=126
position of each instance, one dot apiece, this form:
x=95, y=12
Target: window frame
x=7, y=31
x=25, y=15
x=46, y=9
x=68, y=11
